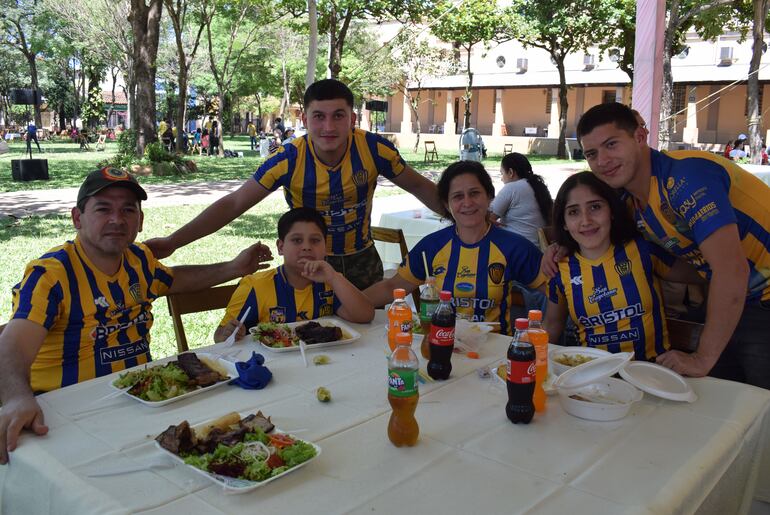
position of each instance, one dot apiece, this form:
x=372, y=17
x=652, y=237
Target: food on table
x=275, y=335
x=321, y=359
x=173, y=379
x=237, y=448
x=573, y=360
x=502, y=372
x=323, y=394
x=313, y=332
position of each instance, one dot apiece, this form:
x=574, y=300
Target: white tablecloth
x=416, y=224
x=665, y=457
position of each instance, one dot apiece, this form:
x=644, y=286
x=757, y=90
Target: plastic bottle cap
x=535, y=314
x=403, y=338
x=446, y=296
x=522, y=323
x=399, y=293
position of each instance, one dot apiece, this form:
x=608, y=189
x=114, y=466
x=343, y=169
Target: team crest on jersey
x=135, y=290
x=623, y=268
x=325, y=310
x=496, y=271
x=670, y=183
x=278, y=315
x=360, y=178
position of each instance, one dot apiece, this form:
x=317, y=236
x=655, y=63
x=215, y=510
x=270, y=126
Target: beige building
x=515, y=96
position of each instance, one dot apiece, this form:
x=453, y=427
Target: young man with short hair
x=708, y=211
x=333, y=169
x=304, y=287
x=84, y=309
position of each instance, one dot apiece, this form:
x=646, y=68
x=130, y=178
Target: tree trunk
x=218, y=118
x=312, y=52
x=33, y=74
x=468, y=94
x=76, y=91
x=145, y=23
x=755, y=116
x=414, y=105
x=667, y=92
x=285, y=97
x=561, y=149
x=114, y=74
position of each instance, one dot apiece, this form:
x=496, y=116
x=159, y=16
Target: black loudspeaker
x=377, y=105
x=29, y=169
x=23, y=96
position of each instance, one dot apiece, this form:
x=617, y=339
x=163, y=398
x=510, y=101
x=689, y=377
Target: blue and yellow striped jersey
x=615, y=300
x=480, y=276
x=97, y=324
x=273, y=299
x=343, y=194
x=692, y=194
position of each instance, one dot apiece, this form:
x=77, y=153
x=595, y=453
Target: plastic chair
x=430, y=151
x=507, y=148
x=180, y=304
x=545, y=237
x=388, y=235
x=683, y=335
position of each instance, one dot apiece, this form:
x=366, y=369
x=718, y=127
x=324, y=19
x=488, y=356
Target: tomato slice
x=281, y=440
x=275, y=461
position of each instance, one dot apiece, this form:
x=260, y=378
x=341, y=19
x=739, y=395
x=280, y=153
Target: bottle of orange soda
x=538, y=337
x=402, y=393
x=399, y=317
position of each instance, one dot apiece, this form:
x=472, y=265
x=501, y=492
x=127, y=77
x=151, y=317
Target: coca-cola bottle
x=442, y=338
x=521, y=376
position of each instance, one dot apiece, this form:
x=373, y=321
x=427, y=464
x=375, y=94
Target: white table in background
x=416, y=224
x=665, y=457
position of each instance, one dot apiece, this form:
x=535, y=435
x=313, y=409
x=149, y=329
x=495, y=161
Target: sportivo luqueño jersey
x=343, y=194
x=273, y=299
x=479, y=276
x=97, y=324
x=615, y=300
x=692, y=194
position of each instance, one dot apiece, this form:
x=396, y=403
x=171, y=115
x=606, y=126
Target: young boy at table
x=305, y=287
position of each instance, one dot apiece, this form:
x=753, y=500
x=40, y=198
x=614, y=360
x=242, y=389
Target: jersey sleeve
x=412, y=268
x=274, y=172
x=702, y=200
x=556, y=289
x=390, y=162
x=38, y=296
x=162, y=278
x=243, y=297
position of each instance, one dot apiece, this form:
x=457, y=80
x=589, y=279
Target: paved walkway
x=41, y=202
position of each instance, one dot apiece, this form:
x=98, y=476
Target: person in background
x=608, y=285
x=251, y=130
x=275, y=141
x=739, y=149
x=728, y=148
x=475, y=260
x=197, y=135
x=214, y=139
x=205, y=142
x=278, y=125
x=288, y=136
x=84, y=309
x=304, y=287
x=32, y=136
x=524, y=203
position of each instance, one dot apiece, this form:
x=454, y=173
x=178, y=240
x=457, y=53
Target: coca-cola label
x=444, y=336
x=521, y=372
x=402, y=382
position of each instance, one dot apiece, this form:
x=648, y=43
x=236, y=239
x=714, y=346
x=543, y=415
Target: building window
x=680, y=97
x=608, y=96
x=548, y=100
x=761, y=94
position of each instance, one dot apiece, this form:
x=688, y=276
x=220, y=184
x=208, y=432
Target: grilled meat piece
x=177, y=439
x=313, y=332
x=252, y=422
x=198, y=372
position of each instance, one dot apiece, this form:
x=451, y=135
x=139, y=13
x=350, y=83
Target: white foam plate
x=658, y=380
x=239, y=486
x=353, y=335
x=214, y=359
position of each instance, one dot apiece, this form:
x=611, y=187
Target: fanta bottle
x=402, y=392
x=399, y=317
x=538, y=337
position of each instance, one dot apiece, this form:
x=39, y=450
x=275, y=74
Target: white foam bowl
x=558, y=368
x=613, y=400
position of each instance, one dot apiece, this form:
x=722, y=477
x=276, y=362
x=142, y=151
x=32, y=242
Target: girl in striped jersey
x=608, y=284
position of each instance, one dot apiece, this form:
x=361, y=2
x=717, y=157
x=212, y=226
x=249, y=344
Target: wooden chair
x=507, y=148
x=389, y=235
x=430, y=151
x=101, y=143
x=683, y=335
x=179, y=304
x=545, y=237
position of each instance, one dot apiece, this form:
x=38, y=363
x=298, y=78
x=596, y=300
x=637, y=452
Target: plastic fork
x=231, y=339
x=154, y=463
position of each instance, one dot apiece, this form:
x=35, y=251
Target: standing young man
x=333, y=169
x=708, y=211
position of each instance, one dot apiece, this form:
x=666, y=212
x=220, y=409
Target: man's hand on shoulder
x=253, y=258
x=691, y=365
x=161, y=247
x=18, y=414
x=551, y=257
